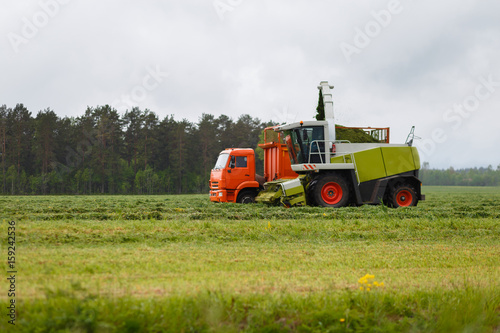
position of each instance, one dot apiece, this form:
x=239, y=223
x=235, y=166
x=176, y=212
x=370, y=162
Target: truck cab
x=233, y=177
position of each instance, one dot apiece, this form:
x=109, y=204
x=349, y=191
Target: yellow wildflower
x=342, y=320
x=368, y=284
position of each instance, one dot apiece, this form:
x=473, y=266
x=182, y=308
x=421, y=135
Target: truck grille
x=215, y=185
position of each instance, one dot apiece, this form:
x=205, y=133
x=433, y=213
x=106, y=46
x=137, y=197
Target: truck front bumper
x=218, y=196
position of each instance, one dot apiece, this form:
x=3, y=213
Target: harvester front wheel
x=331, y=191
x=246, y=197
x=402, y=196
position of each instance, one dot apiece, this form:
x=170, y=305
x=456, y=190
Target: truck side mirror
x=232, y=162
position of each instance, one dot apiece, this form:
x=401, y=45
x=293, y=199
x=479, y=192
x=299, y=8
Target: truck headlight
x=220, y=194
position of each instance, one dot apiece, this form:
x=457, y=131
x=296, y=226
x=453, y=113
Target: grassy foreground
x=181, y=263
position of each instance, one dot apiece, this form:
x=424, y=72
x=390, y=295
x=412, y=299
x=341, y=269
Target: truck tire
x=246, y=196
x=402, y=195
x=331, y=190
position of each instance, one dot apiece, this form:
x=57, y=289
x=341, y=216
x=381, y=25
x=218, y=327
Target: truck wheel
x=402, y=196
x=246, y=197
x=331, y=191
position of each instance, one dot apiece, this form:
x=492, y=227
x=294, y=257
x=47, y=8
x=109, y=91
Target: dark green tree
x=3, y=144
x=320, y=109
x=19, y=141
x=46, y=124
x=208, y=149
x=166, y=133
x=225, y=130
x=109, y=137
x=181, y=153
x=149, y=138
x=133, y=121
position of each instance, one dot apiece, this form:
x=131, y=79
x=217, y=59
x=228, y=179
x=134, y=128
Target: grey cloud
x=265, y=58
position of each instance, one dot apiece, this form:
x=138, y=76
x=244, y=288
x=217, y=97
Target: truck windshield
x=221, y=161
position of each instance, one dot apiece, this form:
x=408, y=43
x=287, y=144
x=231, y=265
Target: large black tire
x=402, y=195
x=331, y=190
x=246, y=196
x=310, y=193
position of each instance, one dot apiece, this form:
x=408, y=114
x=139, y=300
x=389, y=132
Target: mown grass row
x=458, y=203
x=323, y=230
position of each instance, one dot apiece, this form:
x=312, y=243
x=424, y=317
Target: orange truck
x=233, y=179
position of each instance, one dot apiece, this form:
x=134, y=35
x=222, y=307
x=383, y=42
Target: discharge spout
x=328, y=105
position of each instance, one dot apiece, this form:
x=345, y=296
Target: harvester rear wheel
x=246, y=197
x=331, y=191
x=402, y=196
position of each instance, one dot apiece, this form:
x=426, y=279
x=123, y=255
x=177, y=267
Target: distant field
x=181, y=263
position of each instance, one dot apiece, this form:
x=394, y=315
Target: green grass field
x=184, y=264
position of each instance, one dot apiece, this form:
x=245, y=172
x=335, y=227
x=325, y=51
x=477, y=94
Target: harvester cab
x=337, y=173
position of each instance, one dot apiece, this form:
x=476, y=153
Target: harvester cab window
x=318, y=133
x=298, y=146
x=308, y=144
x=305, y=136
x=318, y=137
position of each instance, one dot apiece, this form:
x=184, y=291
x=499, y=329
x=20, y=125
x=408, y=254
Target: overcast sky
x=432, y=64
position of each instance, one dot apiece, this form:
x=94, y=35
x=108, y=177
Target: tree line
x=460, y=177
x=139, y=153
x=105, y=152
